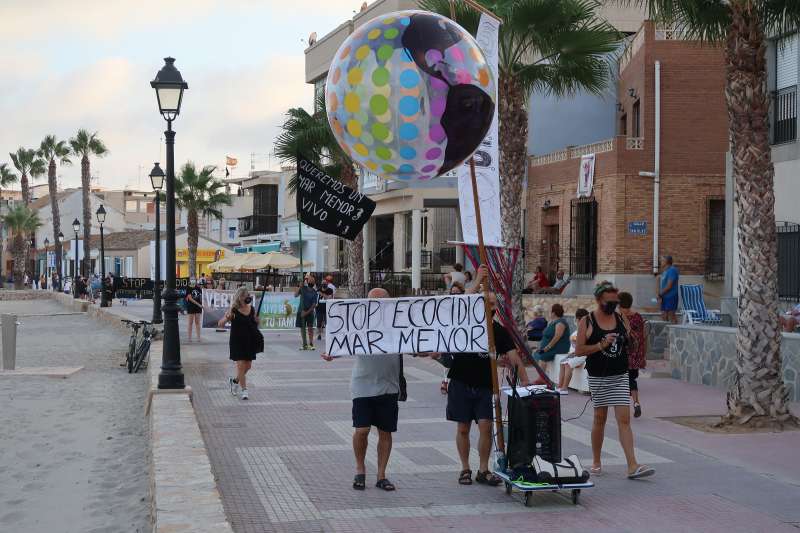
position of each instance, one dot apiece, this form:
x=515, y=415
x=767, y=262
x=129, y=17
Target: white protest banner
x=455, y=324
x=487, y=160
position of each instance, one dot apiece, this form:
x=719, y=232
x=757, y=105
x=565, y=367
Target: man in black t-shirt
x=469, y=396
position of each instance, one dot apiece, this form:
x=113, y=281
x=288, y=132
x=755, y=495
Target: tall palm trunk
x=19, y=253
x=52, y=186
x=192, y=230
x=758, y=395
x=513, y=159
x=26, y=188
x=86, y=264
x=355, y=258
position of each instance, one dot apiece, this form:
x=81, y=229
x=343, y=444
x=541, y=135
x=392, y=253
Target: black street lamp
x=157, y=180
x=101, y=218
x=76, y=225
x=169, y=87
x=59, y=268
x=46, y=261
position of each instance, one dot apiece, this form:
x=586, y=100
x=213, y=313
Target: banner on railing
x=454, y=324
x=142, y=288
x=278, y=310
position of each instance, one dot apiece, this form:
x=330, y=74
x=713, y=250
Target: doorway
x=550, y=250
x=384, y=243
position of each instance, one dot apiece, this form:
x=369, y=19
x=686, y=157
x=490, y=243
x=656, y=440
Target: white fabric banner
x=487, y=160
x=454, y=324
x=586, y=177
x=163, y=272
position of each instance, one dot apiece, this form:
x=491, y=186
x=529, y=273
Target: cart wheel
x=528, y=500
x=508, y=487
x=575, y=494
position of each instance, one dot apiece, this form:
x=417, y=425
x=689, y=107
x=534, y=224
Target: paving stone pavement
x=283, y=460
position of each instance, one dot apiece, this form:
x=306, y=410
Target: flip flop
x=596, y=470
x=641, y=471
x=385, y=484
x=359, y=482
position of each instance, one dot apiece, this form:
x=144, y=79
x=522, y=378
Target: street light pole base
x=171, y=379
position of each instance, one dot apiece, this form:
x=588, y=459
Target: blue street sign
x=638, y=227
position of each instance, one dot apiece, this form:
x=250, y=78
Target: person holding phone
x=603, y=339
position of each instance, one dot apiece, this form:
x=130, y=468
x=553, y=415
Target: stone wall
x=25, y=294
x=706, y=355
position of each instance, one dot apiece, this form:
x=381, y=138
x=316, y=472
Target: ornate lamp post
x=76, y=225
x=59, y=268
x=46, y=262
x=157, y=181
x=101, y=218
x=169, y=87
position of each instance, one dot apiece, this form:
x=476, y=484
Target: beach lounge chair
x=694, y=306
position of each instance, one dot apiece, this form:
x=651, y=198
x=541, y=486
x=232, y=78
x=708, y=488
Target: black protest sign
x=142, y=288
x=328, y=205
x=454, y=324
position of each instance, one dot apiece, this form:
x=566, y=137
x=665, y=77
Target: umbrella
x=230, y=263
x=276, y=260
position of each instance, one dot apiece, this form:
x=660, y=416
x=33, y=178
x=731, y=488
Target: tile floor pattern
x=284, y=463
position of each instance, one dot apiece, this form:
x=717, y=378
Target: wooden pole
x=498, y=412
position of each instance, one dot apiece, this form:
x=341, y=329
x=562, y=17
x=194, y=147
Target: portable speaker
x=534, y=428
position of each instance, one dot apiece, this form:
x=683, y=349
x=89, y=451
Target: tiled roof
x=44, y=201
x=123, y=240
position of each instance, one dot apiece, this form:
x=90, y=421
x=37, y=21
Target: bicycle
x=138, y=349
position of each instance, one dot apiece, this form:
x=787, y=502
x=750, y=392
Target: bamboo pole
x=498, y=411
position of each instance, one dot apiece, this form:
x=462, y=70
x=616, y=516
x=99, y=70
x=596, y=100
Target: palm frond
x=200, y=191
x=22, y=219
x=86, y=144
x=7, y=177
x=52, y=149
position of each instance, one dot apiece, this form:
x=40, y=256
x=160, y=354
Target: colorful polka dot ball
x=409, y=95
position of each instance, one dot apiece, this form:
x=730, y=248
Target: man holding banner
x=374, y=387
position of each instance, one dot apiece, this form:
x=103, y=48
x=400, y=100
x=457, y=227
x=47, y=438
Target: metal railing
x=258, y=225
x=426, y=259
x=788, y=260
x=784, y=115
x=399, y=283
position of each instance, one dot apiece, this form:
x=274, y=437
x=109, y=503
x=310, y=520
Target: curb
x=184, y=494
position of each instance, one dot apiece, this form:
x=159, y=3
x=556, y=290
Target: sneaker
x=244, y=395
x=233, y=383
x=563, y=392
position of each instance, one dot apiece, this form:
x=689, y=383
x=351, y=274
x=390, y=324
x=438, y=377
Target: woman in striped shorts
x=602, y=338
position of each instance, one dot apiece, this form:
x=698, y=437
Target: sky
x=88, y=64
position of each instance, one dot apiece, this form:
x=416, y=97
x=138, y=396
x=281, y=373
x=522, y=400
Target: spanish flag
x=231, y=161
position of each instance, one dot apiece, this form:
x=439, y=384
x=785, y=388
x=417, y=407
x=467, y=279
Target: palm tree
x=7, y=177
x=758, y=396
x=554, y=46
x=22, y=221
x=311, y=134
x=27, y=162
x=86, y=144
x=54, y=152
x=199, y=193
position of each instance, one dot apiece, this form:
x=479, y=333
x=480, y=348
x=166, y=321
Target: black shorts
x=379, y=411
x=466, y=404
x=633, y=375
x=320, y=316
x=193, y=309
x=304, y=321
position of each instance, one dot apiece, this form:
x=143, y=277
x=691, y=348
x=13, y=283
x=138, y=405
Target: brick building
x=609, y=233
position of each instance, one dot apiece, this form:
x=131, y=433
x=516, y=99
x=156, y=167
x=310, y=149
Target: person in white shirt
x=572, y=362
x=456, y=276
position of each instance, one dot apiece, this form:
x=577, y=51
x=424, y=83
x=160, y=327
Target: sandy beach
x=72, y=451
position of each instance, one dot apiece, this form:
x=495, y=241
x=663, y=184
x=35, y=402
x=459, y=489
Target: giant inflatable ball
x=409, y=95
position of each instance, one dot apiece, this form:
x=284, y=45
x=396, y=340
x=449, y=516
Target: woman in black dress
x=245, y=341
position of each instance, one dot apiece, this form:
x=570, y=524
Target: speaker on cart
x=534, y=428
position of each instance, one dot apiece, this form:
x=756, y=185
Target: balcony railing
x=788, y=260
x=573, y=152
x=634, y=143
x=257, y=225
x=784, y=115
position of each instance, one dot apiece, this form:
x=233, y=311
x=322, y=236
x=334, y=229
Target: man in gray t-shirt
x=374, y=388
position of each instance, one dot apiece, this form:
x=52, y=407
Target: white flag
x=487, y=159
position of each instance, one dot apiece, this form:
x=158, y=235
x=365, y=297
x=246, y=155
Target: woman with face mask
x=245, y=341
x=603, y=339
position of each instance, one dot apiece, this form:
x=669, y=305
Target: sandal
x=385, y=484
x=488, y=478
x=641, y=471
x=465, y=477
x=359, y=482
x=596, y=470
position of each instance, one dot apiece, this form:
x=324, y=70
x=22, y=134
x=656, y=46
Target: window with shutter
x=786, y=62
